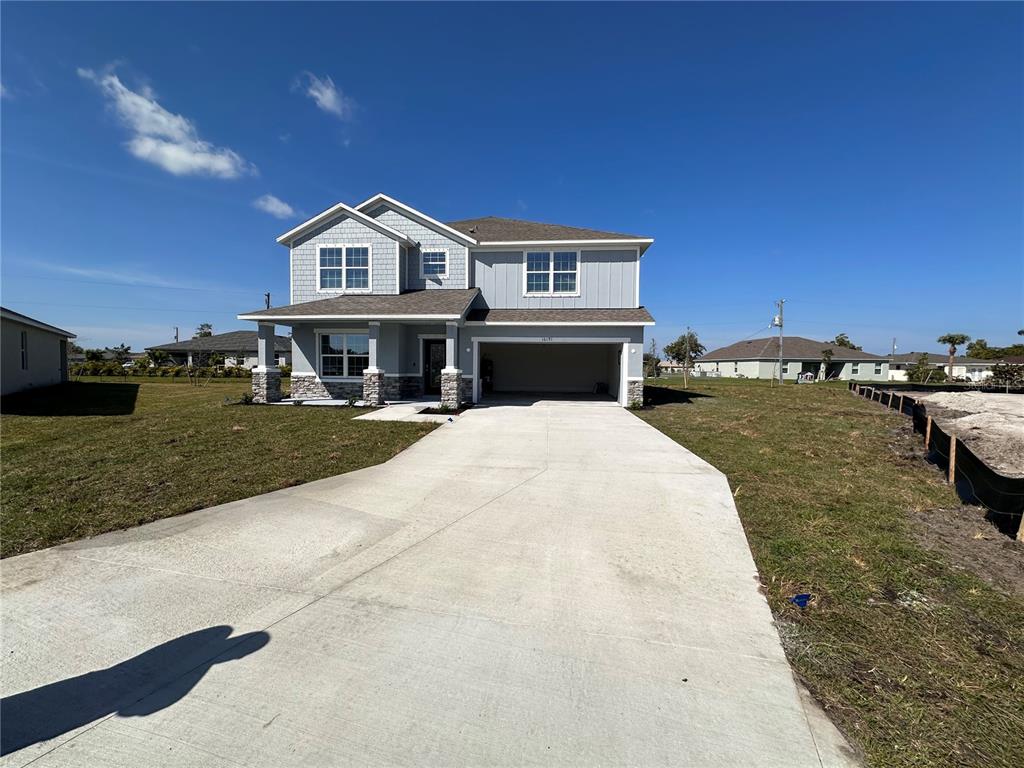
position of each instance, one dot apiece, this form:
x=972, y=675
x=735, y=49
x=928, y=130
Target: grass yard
x=99, y=455
x=918, y=660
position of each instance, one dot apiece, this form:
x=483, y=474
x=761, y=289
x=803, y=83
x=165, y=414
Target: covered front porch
x=372, y=361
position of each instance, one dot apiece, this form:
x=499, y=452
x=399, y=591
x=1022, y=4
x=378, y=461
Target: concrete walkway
x=550, y=585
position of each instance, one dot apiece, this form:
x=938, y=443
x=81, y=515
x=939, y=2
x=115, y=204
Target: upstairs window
x=344, y=354
x=344, y=268
x=551, y=273
x=434, y=264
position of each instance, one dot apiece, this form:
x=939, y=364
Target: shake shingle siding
x=429, y=240
x=342, y=231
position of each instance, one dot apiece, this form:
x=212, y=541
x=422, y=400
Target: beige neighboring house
x=759, y=359
x=670, y=366
x=34, y=353
x=970, y=368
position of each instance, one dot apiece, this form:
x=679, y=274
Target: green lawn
x=99, y=455
x=920, y=662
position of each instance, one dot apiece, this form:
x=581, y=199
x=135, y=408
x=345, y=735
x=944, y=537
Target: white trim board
x=538, y=323
x=285, y=319
x=340, y=209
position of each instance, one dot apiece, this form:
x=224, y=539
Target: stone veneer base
x=266, y=386
x=634, y=393
x=451, y=389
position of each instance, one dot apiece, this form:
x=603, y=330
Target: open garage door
x=558, y=368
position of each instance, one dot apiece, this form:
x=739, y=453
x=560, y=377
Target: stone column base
x=373, y=387
x=634, y=393
x=451, y=388
x=266, y=385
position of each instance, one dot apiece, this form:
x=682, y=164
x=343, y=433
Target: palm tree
x=954, y=340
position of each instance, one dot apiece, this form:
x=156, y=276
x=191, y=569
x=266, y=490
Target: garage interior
x=550, y=368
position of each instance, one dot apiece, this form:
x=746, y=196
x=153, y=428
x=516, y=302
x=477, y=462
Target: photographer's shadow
x=126, y=689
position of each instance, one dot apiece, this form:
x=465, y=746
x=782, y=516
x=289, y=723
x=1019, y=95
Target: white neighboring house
x=34, y=353
x=970, y=368
x=670, y=366
x=759, y=359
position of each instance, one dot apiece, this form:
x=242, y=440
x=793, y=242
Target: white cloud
x=326, y=95
x=163, y=138
x=274, y=206
x=5, y=92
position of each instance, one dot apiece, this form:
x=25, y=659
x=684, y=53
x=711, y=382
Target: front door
x=433, y=362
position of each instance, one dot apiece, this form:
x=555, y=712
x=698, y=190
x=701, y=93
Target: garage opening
x=508, y=369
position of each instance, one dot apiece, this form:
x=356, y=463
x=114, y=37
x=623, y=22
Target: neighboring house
x=389, y=303
x=970, y=368
x=237, y=347
x=670, y=366
x=34, y=354
x=759, y=359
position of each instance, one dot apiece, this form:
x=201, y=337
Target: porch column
x=451, y=375
x=373, y=377
x=266, y=376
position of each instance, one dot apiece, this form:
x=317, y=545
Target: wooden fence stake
x=928, y=432
x=952, y=458
x=901, y=403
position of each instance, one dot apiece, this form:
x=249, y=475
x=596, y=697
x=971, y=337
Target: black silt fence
x=1001, y=495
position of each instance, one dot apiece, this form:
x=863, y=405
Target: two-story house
x=388, y=303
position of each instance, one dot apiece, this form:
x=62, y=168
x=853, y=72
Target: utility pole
x=894, y=346
x=175, y=334
x=686, y=358
x=778, y=321
x=267, y=297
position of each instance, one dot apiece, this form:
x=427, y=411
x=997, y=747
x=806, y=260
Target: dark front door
x=433, y=362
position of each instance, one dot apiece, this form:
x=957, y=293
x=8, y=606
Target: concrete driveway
x=558, y=584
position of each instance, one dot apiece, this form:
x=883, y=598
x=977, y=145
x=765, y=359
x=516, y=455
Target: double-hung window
x=434, y=264
x=344, y=267
x=550, y=273
x=344, y=354
x=878, y=369
x=854, y=369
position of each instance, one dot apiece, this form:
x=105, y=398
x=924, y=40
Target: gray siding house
x=759, y=359
x=35, y=354
x=238, y=348
x=388, y=303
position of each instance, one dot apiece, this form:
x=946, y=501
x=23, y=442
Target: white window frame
x=785, y=368
x=320, y=332
x=425, y=251
x=878, y=369
x=344, y=268
x=855, y=369
x=551, y=273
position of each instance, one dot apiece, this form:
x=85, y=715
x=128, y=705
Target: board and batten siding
x=429, y=240
x=342, y=231
x=607, y=278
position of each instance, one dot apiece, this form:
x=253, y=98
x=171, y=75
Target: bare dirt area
x=991, y=424
x=970, y=542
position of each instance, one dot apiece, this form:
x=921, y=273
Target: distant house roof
x=490, y=229
x=233, y=341
x=629, y=316
x=793, y=348
x=939, y=357
x=10, y=314
x=669, y=364
x=436, y=304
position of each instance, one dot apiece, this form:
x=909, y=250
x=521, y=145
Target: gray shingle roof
x=793, y=348
x=233, y=341
x=638, y=315
x=443, y=302
x=497, y=229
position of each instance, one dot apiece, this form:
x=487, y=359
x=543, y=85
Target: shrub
x=1004, y=374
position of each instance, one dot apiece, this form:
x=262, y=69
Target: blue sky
x=863, y=161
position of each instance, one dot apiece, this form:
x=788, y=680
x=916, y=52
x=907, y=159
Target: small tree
x=685, y=350
x=94, y=355
x=980, y=349
x=842, y=340
x=158, y=357
x=954, y=340
x=205, y=330
x=922, y=371
x=120, y=353
x=826, y=361
x=651, y=360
